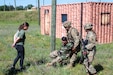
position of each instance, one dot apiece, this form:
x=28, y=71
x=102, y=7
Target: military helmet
x=67, y=24
x=88, y=26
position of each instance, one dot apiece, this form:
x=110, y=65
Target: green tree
x=1, y=8
x=11, y=7
x=7, y=8
x=29, y=6
x=20, y=7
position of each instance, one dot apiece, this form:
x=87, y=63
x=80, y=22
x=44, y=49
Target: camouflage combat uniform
x=73, y=36
x=91, y=49
x=60, y=55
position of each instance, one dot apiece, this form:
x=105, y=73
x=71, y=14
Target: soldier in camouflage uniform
x=62, y=54
x=73, y=37
x=91, y=49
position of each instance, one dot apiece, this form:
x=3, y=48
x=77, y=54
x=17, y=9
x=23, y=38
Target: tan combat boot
x=95, y=74
x=88, y=73
x=69, y=66
x=49, y=64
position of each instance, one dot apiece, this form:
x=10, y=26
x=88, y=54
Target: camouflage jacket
x=65, y=50
x=73, y=36
x=92, y=38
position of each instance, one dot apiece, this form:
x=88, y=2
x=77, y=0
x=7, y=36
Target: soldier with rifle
x=83, y=50
x=89, y=49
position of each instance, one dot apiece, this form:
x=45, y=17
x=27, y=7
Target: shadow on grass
x=9, y=71
x=78, y=61
x=41, y=61
x=98, y=68
x=38, y=62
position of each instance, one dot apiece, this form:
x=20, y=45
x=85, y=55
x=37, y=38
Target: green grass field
x=37, y=49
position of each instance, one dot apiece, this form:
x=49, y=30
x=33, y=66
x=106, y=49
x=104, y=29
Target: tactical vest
x=91, y=33
x=69, y=35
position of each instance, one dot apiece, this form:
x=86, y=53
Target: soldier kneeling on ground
x=59, y=56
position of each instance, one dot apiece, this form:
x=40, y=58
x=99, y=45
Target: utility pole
x=36, y=4
x=43, y=2
x=9, y=7
x=15, y=4
x=38, y=12
x=4, y=5
x=53, y=25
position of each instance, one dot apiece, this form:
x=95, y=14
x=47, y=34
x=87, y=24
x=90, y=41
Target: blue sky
x=46, y=2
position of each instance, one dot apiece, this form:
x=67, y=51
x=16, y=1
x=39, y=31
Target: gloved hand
x=85, y=52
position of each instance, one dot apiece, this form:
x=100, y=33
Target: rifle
x=83, y=49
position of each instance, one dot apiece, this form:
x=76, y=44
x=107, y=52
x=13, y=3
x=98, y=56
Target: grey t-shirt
x=21, y=35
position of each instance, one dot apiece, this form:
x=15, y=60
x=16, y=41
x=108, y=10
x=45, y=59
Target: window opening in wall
x=105, y=18
x=46, y=11
x=64, y=17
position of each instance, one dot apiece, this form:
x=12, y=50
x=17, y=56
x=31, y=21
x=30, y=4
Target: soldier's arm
x=92, y=39
x=76, y=37
x=69, y=46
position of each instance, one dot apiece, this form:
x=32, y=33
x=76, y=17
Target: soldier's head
x=88, y=26
x=67, y=25
x=64, y=40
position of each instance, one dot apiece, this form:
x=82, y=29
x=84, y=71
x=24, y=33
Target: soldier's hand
x=85, y=52
x=73, y=49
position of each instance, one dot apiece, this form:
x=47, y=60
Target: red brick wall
x=81, y=13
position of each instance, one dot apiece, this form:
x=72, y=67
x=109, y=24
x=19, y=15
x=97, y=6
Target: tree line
x=11, y=7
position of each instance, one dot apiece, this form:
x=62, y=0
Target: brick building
x=98, y=13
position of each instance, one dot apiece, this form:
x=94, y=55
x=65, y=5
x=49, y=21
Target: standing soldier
x=91, y=49
x=73, y=37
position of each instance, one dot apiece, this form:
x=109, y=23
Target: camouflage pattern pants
x=88, y=61
x=56, y=58
x=73, y=58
